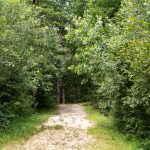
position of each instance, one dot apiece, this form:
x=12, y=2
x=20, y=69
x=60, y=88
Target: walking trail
x=65, y=131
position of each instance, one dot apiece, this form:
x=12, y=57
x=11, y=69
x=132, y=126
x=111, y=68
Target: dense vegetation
x=108, y=137
x=28, y=59
x=112, y=47
x=80, y=50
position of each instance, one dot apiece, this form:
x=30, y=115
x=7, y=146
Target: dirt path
x=65, y=131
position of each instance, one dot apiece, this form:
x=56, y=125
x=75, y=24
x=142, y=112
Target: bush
x=145, y=145
x=114, y=52
x=26, y=50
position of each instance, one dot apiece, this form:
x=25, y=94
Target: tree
x=110, y=44
x=28, y=59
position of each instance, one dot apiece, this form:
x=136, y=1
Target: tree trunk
x=58, y=92
x=74, y=93
x=63, y=95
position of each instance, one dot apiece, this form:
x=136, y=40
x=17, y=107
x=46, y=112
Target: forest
x=77, y=51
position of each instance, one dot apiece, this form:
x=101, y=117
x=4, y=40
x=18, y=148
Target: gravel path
x=65, y=131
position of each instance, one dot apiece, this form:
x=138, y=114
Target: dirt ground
x=65, y=131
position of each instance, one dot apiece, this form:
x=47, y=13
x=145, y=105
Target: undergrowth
x=108, y=137
x=23, y=128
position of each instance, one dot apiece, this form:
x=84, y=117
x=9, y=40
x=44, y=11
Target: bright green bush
x=131, y=44
x=28, y=58
x=114, y=52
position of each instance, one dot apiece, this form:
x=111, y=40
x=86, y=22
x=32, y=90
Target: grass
x=107, y=135
x=23, y=128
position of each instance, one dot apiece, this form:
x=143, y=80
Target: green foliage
x=97, y=47
x=28, y=59
x=145, y=144
x=131, y=44
x=108, y=137
x=113, y=51
x=22, y=128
